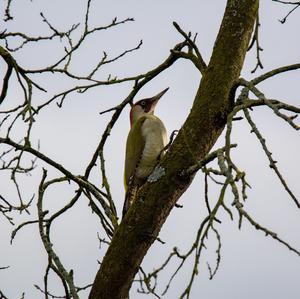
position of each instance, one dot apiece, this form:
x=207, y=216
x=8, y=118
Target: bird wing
x=155, y=136
x=134, y=148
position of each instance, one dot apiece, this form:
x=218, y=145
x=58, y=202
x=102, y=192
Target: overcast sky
x=252, y=265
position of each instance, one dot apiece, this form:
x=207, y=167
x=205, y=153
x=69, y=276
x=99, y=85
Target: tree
x=215, y=107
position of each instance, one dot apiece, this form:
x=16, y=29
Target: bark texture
x=202, y=128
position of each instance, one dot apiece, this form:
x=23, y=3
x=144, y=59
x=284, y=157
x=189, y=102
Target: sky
x=252, y=265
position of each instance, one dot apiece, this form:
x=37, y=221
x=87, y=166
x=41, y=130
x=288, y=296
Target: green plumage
x=134, y=148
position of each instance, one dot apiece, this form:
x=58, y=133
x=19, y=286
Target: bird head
x=145, y=106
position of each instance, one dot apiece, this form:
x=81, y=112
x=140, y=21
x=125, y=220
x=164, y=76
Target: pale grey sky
x=252, y=266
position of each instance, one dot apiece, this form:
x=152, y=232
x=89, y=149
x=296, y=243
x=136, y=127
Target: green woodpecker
x=145, y=143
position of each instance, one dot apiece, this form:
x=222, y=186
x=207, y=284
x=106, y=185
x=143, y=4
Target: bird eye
x=143, y=103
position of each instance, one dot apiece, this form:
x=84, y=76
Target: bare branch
x=197, y=60
x=269, y=155
x=210, y=157
x=274, y=72
x=48, y=245
x=296, y=4
x=265, y=230
x=255, y=41
x=212, y=273
x=104, y=61
x=7, y=15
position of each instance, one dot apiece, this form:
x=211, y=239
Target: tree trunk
x=199, y=133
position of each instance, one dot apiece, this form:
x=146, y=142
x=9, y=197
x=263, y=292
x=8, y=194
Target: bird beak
x=159, y=95
x=155, y=99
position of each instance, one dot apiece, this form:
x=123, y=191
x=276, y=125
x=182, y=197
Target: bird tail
x=129, y=198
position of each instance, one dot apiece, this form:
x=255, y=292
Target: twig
x=210, y=157
x=7, y=14
x=199, y=61
x=296, y=4
x=255, y=41
x=269, y=155
x=48, y=245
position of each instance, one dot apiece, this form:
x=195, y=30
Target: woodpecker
x=145, y=144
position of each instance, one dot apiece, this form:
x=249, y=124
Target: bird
x=145, y=145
